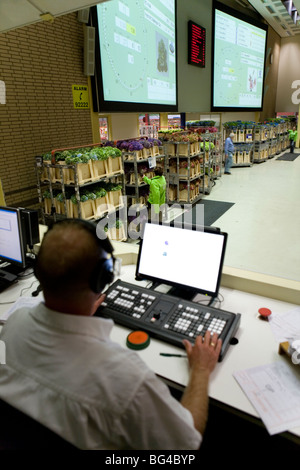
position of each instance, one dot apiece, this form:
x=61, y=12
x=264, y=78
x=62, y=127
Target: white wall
x=193, y=82
x=124, y=126
x=246, y=116
x=289, y=72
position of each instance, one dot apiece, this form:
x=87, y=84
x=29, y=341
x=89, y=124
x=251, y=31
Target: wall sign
x=196, y=44
x=80, y=96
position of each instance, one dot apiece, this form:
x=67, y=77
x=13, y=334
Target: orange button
x=138, y=340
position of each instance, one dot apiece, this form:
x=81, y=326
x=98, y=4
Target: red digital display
x=196, y=44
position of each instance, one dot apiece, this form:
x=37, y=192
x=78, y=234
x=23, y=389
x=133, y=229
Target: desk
x=256, y=345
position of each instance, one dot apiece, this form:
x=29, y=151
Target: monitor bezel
x=22, y=263
x=157, y=280
x=100, y=104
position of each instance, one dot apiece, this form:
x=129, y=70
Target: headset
x=103, y=274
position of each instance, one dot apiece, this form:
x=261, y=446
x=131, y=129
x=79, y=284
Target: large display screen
x=187, y=258
x=135, y=68
x=239, y=48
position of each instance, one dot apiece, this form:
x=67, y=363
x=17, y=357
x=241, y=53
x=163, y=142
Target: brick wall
x=39, y=64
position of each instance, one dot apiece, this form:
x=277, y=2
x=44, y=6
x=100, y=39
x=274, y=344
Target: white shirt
x=65, y=372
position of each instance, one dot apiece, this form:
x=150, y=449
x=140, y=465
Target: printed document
x=274, y=391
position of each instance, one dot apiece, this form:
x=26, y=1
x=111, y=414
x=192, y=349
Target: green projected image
x=137, y=48
x=239, y=57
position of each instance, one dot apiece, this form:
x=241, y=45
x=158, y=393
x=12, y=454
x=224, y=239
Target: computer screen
x=185, y=258
x=12, y=243
x=135, y=55
x=238, y=65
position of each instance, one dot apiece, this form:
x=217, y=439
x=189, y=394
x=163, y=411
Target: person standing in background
x=293, y=135
x=157, y=195
x=229, y=149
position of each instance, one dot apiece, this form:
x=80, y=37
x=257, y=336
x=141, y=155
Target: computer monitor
x=12, y=243
x=18, y=230
x=189, y=259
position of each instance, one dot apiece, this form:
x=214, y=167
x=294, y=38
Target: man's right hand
x=205, y=352
x=202, y=358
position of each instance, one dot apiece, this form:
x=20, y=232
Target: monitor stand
x=180, y=292
x=186, y=294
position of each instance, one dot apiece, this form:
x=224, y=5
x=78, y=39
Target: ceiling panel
x=14, y=13
x=275, y=13
x=61, y=7
x=18, y=13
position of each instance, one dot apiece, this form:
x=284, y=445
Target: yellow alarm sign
x=80, y=96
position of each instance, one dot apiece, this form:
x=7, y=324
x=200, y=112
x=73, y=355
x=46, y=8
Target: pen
x=172, y=355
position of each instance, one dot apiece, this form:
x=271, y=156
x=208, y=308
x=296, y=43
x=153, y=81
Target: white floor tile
x=263, y=226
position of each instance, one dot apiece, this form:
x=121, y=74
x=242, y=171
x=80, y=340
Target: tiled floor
x=263, y=226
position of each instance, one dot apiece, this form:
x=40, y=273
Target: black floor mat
x=213, y=210
x=288, y=157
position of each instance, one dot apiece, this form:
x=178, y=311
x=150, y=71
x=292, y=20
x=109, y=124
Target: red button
x=264, y=312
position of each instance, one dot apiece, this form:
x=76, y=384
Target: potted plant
x=156, y=147
x=100, y=202
x=132, y=149
x=183, y=168
x=47, y=201
x=183, y=192
x=114, y=161
x=83, y=164
x=98, y=160
x=48, y=173
x=86, y=205
x=117, y=231
x=114, y=194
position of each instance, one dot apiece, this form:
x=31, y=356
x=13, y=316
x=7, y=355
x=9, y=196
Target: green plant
x=113, y=187
x=60, y=197
x=46, y=194
x=208, y=145
x=84, y=196
x=99, y=192
x=113, y=152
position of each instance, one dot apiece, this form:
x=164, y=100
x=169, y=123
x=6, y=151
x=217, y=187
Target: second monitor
x=188, y=259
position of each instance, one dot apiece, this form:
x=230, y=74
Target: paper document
x=274, y=391
x=285, y=326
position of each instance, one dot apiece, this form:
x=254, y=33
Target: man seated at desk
x=63, y=370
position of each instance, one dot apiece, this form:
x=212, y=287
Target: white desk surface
x=256, y=343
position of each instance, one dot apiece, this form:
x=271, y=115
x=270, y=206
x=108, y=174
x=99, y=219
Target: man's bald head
x=67, y=258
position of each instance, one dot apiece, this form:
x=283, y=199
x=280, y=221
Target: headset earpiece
x=102, y=275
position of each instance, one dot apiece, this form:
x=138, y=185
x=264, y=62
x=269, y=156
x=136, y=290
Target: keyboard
x=166, y=317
